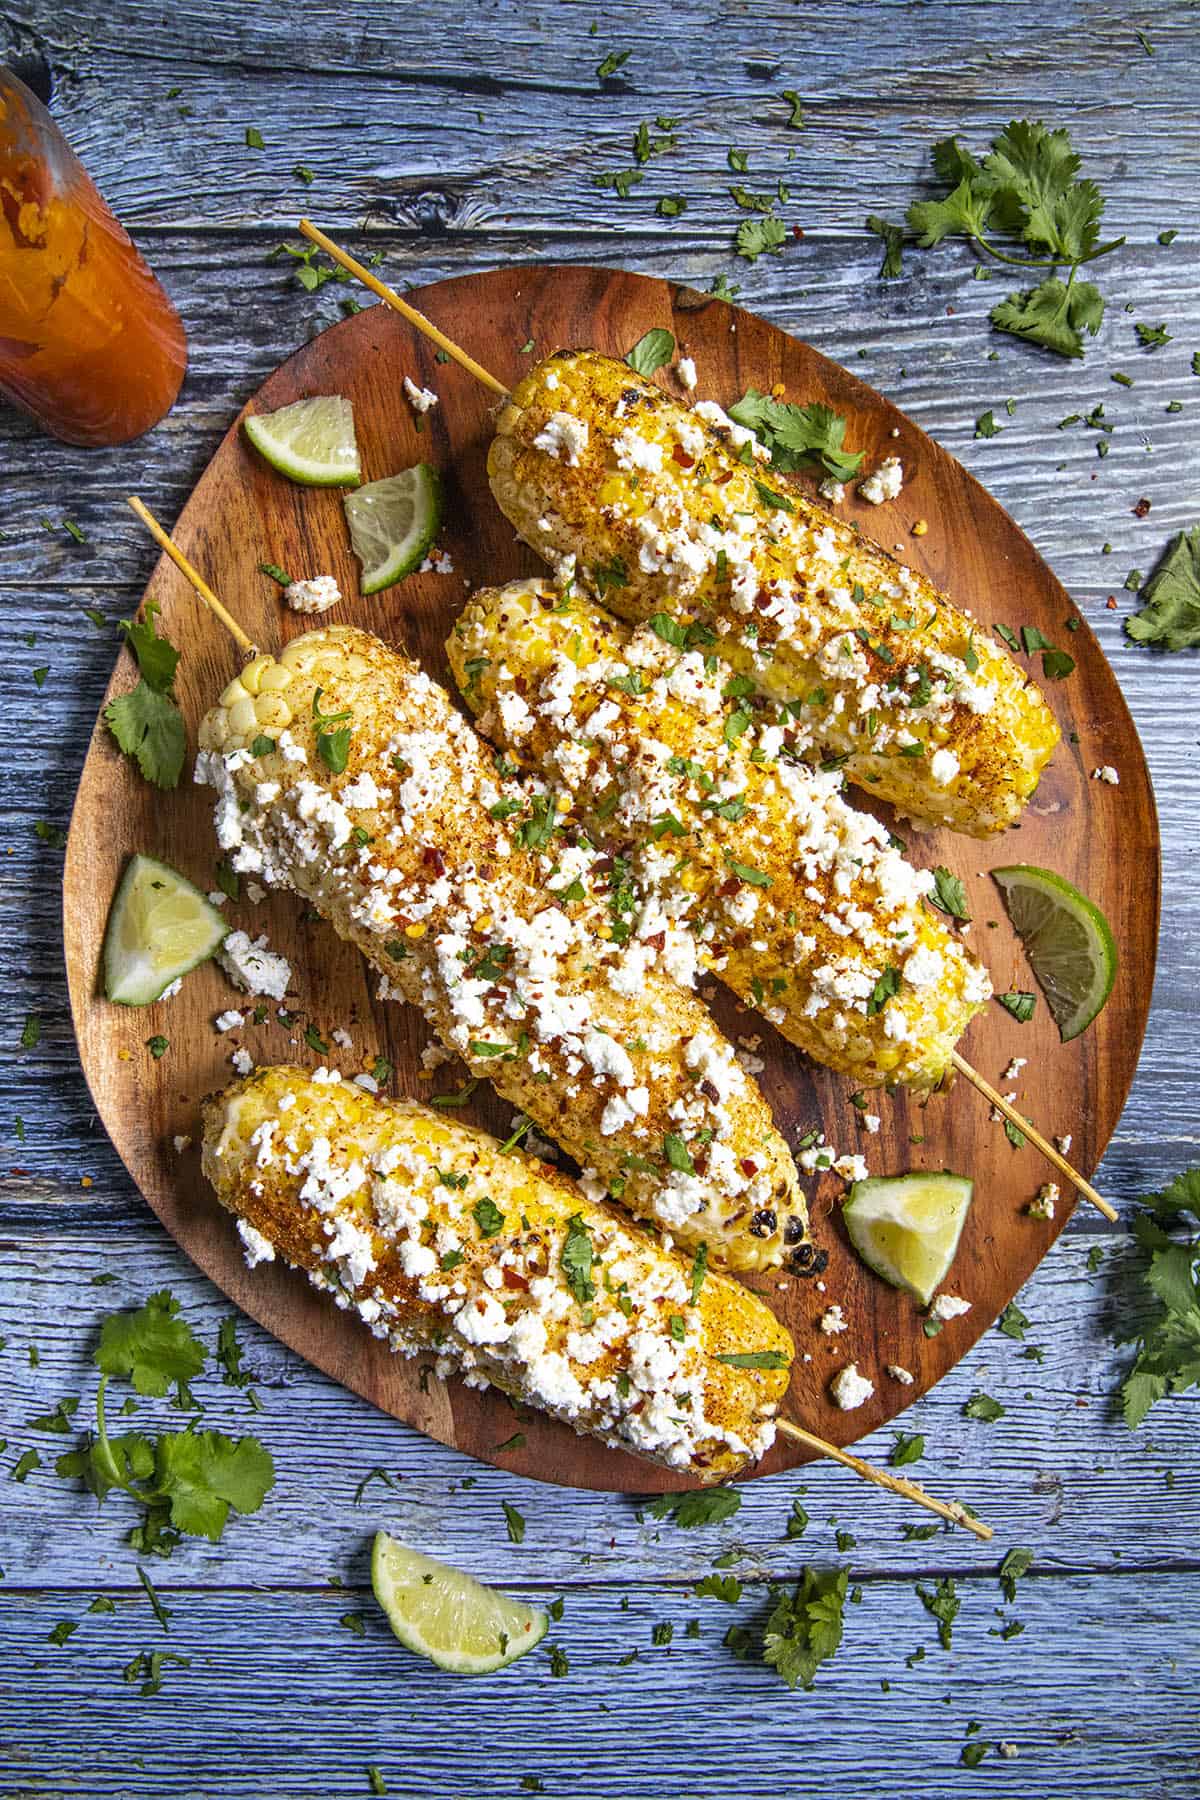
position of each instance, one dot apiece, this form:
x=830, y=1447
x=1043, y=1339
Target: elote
x=499, y=1267
x=668, y=509
x=344, y=773
x=798, y=902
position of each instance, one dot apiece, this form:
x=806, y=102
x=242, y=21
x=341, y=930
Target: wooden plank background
x=453, y=139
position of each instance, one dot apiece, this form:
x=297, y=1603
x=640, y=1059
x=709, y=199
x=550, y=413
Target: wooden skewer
x=895, y=1483
x=394, y=300
x=468, y=362
x=165, y=542
x=1035, y=1137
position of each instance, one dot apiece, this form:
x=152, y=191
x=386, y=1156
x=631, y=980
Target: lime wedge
x=447, y=1616
x=907, y=1227
x=393, y=523
x=311, y=441
x=160, y=926
x=1067, y=939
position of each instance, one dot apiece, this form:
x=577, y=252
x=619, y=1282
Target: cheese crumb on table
x=230, y=1021
x=832, y=490
x=253, y=967
x=685, y=368
x=313, y=596
x=883, y=483
x=1043, y=1206
x=949, y=1306
x=850, y=1389
x=421, y=399
x=833, y=1320
x=1107, y=773
x=1014, y=1068
x=899, y=1373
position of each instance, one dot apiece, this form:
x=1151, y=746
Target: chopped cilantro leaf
x=652, y=351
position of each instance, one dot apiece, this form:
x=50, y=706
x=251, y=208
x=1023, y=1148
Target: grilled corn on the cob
x=797, y=901
x=873, y=663
x=499, y=1266
x=344, y=773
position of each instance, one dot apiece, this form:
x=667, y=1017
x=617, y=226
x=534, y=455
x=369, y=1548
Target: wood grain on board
x=1102, y=838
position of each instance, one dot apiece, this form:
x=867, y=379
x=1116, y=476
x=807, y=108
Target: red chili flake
x=710, y=1091
x=747, y=1166
x=1111, y=603
x=1141, y=509
x=680, y=455
x=513, y=1280
x=433, y=859
x=797, y=231
x=657, y=941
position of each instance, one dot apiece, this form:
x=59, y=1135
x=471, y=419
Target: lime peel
x=393, y=524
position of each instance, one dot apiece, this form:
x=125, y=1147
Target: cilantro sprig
x=184, y=1481
x=146, y=721
x=805, y=1627
x=1025, y=193
x=1170, y=614
x=798, y=437
x=1167, y=1353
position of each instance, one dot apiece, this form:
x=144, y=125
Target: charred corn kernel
x=443, y=1245
x=873, y=663
x=415, y=841
x=798, y=902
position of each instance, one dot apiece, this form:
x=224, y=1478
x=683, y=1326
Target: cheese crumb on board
x=313, y=596
x=850, y=1389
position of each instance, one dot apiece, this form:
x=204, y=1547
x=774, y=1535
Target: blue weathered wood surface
x=455, y=138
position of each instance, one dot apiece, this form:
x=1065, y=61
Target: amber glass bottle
x=89, y=342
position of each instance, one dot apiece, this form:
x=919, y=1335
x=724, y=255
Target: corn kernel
x=920, y=528
x=416, y=930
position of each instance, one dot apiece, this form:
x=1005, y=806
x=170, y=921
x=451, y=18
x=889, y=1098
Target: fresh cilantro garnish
x=805, y=1627
x=158, y=1046
x=798, y=437
x=147, y=1667
x=1018, y=1004
x=515, y=1523
x=943, y=1603
x=986, y=426
x=62, y=1631
x=333, y=747
x=756, y=236
x=146, y=721
x=1153, y=337
x=276, y=573
x=1170, y=612
x=31, y=1032
x=537, y=830
x=1167, y=1354
x=719, y=1587
x=949, y=895
x=982, y=1406
x=754, y=1359
x=1016, y=1564
x=616, y=59
x=254, y=138
x=152, y=1347
x=677, y=1153
x=162, y=1612
x=893, y=246
x=1012, y=1321
x=1025, y=191
x=652, y=351
x=743, y=871
x=576, y=1259
x=795, y=118
x=908, y=1448
x=699, y=1270
x=887, y=985
x=488, y=1217
x=699, y=1506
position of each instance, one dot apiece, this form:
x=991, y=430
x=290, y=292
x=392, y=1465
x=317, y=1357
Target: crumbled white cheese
x=1014, y=1068
x=832, y=490
x=949, y=1306
x=181, y=1144
x=685, y=368
x=899, y=1373
x=421, y=399
x=243, y=1062
x=1107, y=773
x=884, y=483
x=564, y=437
x=1063, y=1144
x=850, y=1389
x=253, y=967
x=1043, y=1206
x=313, y=596
x=832, y=1321
x=258, y=1248
x=943, y=767
x=230, y=1021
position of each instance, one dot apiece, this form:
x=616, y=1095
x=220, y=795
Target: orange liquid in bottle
x=89, y=342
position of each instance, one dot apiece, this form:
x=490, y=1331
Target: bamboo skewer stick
x=1053, y=1156
x=868, y=1472
x=418, y=319
x=896, y=1484
x=198, y=582
x=394, y=300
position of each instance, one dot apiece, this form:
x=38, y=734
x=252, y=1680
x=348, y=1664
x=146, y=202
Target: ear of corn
x=797, y=901
x=498, y=1266
x=344, y=773
x=875, y=665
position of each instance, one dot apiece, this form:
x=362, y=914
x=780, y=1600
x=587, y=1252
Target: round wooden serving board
x=1105, y=839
